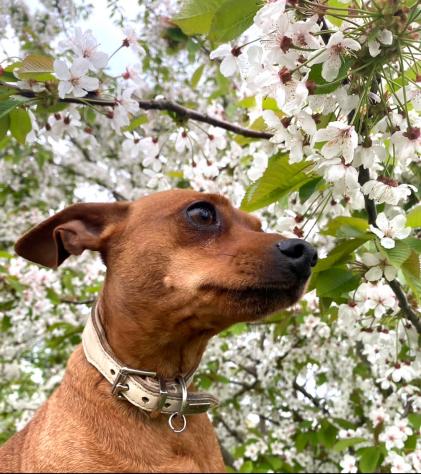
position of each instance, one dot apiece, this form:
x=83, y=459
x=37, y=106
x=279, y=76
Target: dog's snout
x=299, y=253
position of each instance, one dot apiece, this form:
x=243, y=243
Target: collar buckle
x=119, y=386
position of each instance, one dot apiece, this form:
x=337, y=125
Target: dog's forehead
x=167, y=203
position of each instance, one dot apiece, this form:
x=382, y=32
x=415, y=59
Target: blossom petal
x=79, y=67
x=398, y=222
x=387, y=243
x=64, y=87
x=390, y=272
x=385, y=37
x=374, y=274
x=373, y=48
x=377, y=231
x=349, y=43
x=99, y=60
x=61, y=70
x=89, y=83
x=228, y=66
x=331, y=68
x=78, y=91
x=271, y=119
x=221, y=51
x=370, y=259
x=382, y=222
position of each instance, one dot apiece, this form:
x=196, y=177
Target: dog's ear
x=70, y=232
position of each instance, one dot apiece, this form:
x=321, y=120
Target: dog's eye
x=202, y=214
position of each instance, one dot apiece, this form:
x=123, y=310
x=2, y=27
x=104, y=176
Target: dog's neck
x=148, y=341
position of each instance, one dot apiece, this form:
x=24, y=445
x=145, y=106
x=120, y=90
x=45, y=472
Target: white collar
x=144, y=389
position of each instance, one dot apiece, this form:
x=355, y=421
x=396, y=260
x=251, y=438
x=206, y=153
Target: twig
x=363, y=177
x=314, y=400
x=404, y=305
x=163, y=105
x=370, y=207
x=226, y=456
x=233, y=432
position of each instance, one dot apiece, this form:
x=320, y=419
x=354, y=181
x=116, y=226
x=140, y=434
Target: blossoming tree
x=304, y=111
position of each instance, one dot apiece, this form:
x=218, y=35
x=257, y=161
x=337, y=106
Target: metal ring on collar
x=183, y=427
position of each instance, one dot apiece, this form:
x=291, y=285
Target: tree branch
x=314, y=400
x=162, y=104
x=370, y=207
x=404, y=305
x=233, y=432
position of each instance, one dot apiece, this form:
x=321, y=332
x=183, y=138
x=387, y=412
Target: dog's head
x=180, y=252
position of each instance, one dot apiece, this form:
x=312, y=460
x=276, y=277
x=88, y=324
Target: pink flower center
x=284, y=43
x=413, y=133
x=388, y=181
x=338, y=48
x=284, y=75
x=236, y=51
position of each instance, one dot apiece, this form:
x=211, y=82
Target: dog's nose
x=299, y=253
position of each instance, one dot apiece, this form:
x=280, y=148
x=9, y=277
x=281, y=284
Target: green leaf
x=279, y=179
x=269, y=103
x=324, y=87
x=342, y=253
x=369, y=459
x=400, y=252
x=6, y=106
x=327, y=434
x=301, y=441
x=335, y=281
x=336, y=4
x=247, y=102
x=53, y=296
x=308, y=189
x=8, y=75
x=346, y=227
x=347, y=443
x=196, y=16
x=413, y=218
x=415, y=420
x=20, y=124
x=6, y=323
x=4, y=254
x=4, y=126
x=136, y=122
x=247, y=467
x=414, y=243
x=197, y=75
x=411, y=270
x=90, y=115
x=36, y=67
x=232, y=18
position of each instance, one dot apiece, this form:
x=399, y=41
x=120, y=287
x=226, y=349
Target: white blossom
x=330, y=56
x=74, y=80
x=389, y=230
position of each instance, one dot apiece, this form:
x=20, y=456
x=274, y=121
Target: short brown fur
x=169, y=288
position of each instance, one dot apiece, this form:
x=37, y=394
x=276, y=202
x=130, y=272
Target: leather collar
x=144, y=389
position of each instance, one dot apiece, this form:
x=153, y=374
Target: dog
x=181, y=267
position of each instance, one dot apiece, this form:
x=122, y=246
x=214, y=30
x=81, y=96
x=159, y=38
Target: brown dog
x=181, y=267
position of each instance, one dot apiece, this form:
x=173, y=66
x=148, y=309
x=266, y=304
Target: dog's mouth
x=268, y=292
x=250, y=291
